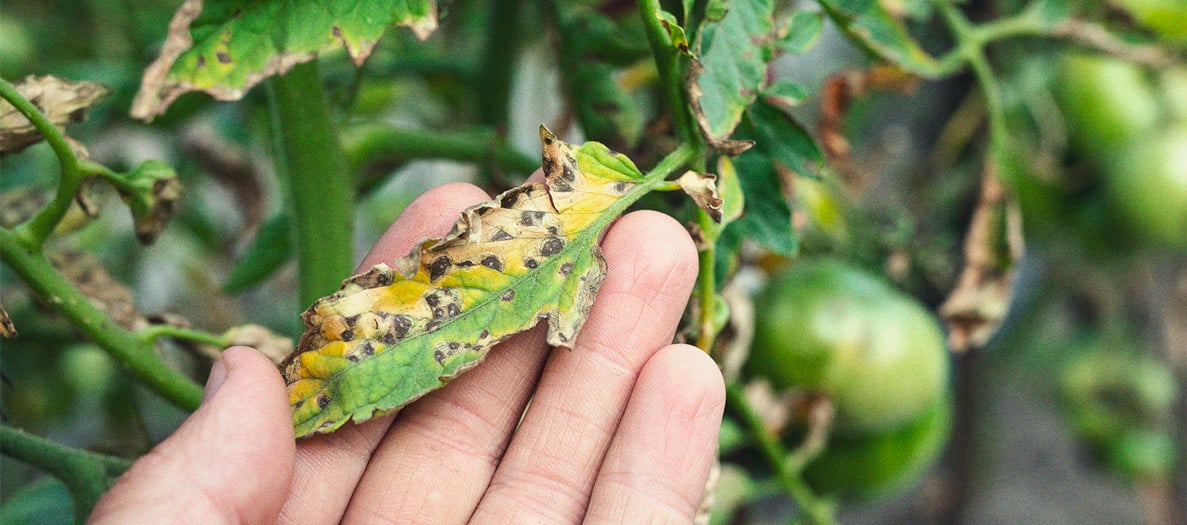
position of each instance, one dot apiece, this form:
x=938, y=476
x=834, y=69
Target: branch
x=58, y=292
x=86, y=474
x=1096, y=37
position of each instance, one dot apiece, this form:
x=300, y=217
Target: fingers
x=549, y=469
x=435, y=463
x=656, y=467
x=329, y=467
x=212, y=465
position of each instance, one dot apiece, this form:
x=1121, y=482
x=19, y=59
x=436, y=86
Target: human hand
x=622, y=428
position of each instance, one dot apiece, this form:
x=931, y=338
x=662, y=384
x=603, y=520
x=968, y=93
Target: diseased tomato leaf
x=391, y=335
x=224, y=47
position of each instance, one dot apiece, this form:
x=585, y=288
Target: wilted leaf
x=869, y=24
x=227, y=46
x=702, y=187
x=976, y=307
x=275, y=346
x=151, y=191
x=61, y=101
x=105, y=293
x=392, y=335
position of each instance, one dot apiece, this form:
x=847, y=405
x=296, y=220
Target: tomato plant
x=898, y=209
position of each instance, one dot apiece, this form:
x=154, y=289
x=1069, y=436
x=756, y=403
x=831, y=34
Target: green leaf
x=784, y=94
x=870, y=25
x=729, y=187
x=392, y=335
x=227, y=46
x=781, y=138
x=803, y=31
x=268, y=252
x=589, y=48
x=732, y=66
x=675, y=32
x=767, y=219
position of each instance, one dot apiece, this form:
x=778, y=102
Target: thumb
x=233, y=458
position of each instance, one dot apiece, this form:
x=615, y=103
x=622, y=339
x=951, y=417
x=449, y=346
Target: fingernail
x=218, y=374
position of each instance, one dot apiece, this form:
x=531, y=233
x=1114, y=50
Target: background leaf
x=224, y=47
x=868, y=23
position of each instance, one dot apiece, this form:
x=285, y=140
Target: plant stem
x=493, y=82
x=379, y=144
x=34, y=232
x=818, y=510
x=667, y=62
x=970, y=50
x=706, y=285
x=154, y=332
x=139, y=356
x=321, y=187
x=87, y=474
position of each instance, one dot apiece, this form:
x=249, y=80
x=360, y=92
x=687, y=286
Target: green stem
x=321, y=187
x=87, y=474
x=493, y=82
x=58, y=292
x=668, y=64
x=37, y=230
x=374, y=144
x=970, y=50
x=154, y=332
x=706, y=285
x=818, y=510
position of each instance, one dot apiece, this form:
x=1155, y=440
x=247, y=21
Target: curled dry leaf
x=105, y=293
x=391, y=335
x=837, y=94
x=269, y=343
x=702, y=187
x=7, y=329
x=61, y=101
x=975, y=308
x=225, y=47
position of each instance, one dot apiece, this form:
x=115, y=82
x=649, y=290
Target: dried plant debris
x=61, y=101
x=7, y=329
x=976, y=307
x=392, y=334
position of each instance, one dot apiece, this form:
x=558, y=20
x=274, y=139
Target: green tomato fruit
x=832, y=328
x=1165, y=17
x=1148, y=183
x=1105, y=102
x=874, y=465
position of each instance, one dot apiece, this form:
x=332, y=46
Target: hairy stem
x=706, y=286
x=816, y=509
x=138, y=355
x=321, y=187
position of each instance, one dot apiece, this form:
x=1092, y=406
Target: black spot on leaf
x=508, y=296
x=492, y=262
x=323, y=401
x=501, y=235
x=347, y=335
x=438, y=267
x=223, y=57
x=531, y=263
x=552, y=246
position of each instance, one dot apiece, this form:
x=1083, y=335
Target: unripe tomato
x=1105, y=103
x=1165, y=17
x=1121, y=406
x=828, y=327
x=873, y=465
x=1148, y=183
